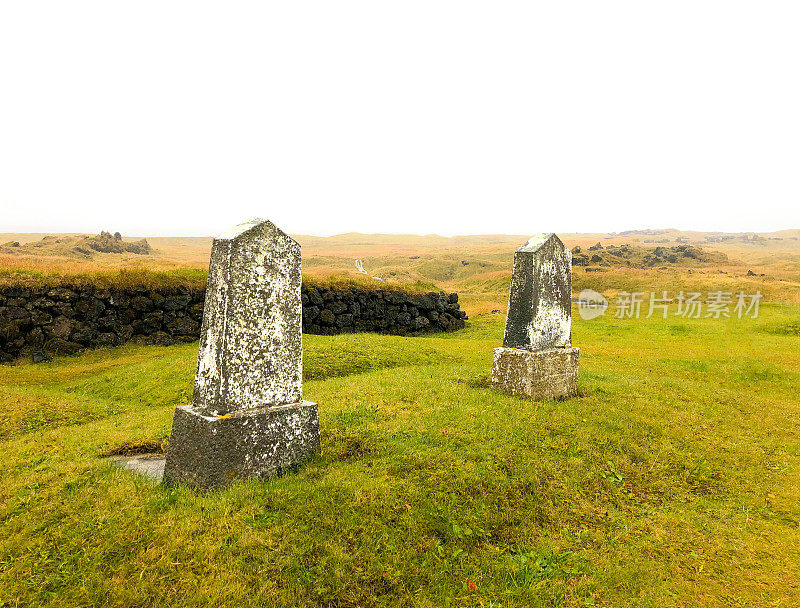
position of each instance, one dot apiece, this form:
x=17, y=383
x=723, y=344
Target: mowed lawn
x=673, y=480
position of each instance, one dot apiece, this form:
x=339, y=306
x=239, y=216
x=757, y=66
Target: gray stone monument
x=537, y=359
x=247, y=417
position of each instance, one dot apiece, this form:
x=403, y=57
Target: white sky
x=450, y=117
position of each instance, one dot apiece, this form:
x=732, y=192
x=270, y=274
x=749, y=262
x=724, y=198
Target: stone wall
x=47, y=321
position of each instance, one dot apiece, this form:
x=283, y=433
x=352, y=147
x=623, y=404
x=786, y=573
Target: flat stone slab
x=543, y=374
x=148, y=465
x=209, y=452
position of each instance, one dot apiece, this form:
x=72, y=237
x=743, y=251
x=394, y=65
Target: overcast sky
x=183, y=118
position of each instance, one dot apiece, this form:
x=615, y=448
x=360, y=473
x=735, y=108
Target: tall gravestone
x=537, y=359
x=247, y=417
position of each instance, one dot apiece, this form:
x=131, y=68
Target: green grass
x=673, y=480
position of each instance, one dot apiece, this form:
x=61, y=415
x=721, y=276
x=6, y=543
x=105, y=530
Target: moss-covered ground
x=672, y=480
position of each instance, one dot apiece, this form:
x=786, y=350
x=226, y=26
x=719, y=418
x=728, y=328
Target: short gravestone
x=247, y=417
x=537, y=359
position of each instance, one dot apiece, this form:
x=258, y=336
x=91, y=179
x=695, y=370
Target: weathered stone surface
x=59, y=346
x=148, y=465
x=251, y=349
x=543, y=374
x=61, y=328
x=537, y=359
x=539, y=302
x=88, y=313
x=248, y=417
x=208, y=452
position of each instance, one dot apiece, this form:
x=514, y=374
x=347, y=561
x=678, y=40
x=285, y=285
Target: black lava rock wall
x=47, y=321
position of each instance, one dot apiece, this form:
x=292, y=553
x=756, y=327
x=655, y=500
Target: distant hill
x=638, y=256
x=469, y=262
x=81, y=246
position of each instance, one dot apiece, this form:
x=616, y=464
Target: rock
x=247, y=417
x=537, y=359
x=43, y=303
x=142, y=304
x=182, y=326
x=105, y=242
x=196, y=311
x=140, y=247
x=544, y=374
x=83, y=333
x=62, y=294
x=14, y=313
x=39, y=317
x=119, y=300
x=209, y=453
x=158, y=338
x=108, y=322
x=337, y=308
x=419, y=323
x=125, y=333
x=315, y=298
x=39, y=356
x=310, y=313
x=89, y=308
x=35, y=337
x=179, y=311
x=107, y=339
x=345, y=320
x=64, y=309
x=126, y=316
x=252, y=321
x=580, y=259
x=61, y=328
x=151, y=322
x=58, y=346
x=540, y=303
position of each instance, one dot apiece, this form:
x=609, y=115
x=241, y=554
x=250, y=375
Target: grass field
x=673, y=480
x=477, y=263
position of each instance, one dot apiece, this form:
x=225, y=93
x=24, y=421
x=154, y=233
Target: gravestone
x=247, y=417
x=537, y=359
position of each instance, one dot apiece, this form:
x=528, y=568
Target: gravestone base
x=209, y=452
x=543, y=374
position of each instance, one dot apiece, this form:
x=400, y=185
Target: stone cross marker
x=537, y=359
x=247, y=416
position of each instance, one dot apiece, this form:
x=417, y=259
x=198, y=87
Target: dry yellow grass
x=478, y=267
